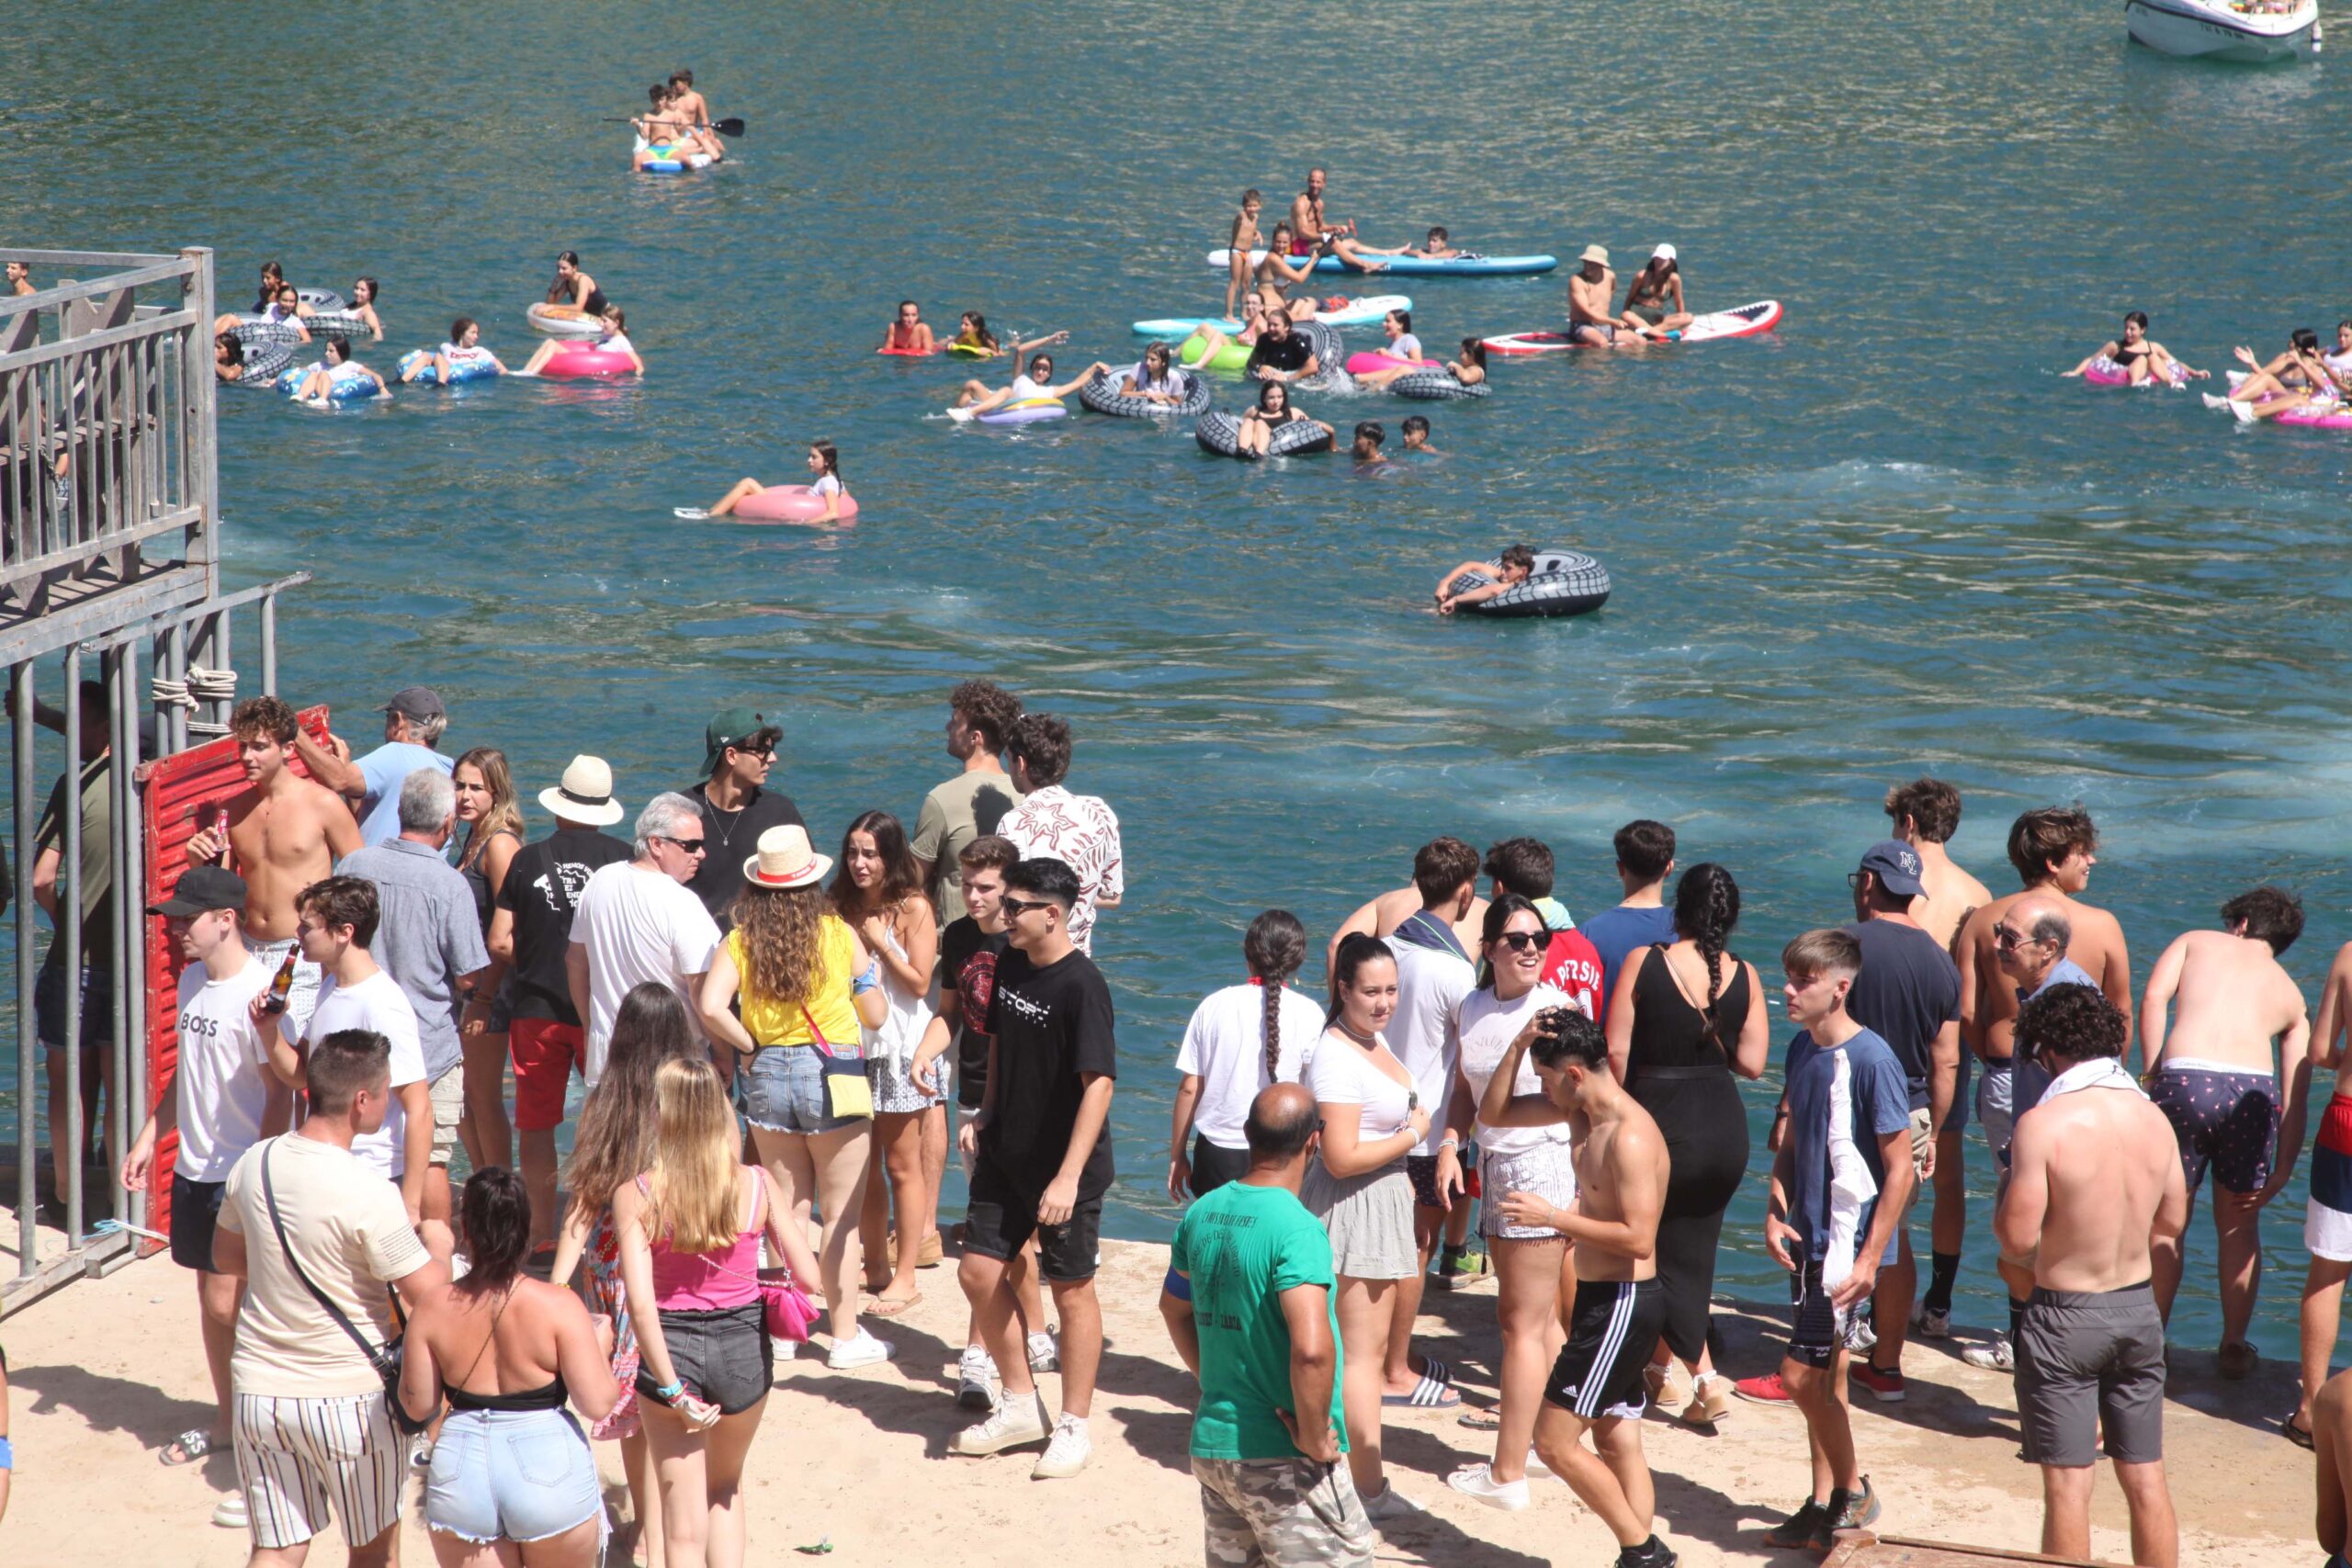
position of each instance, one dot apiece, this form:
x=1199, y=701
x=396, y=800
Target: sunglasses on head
x=1526, y=942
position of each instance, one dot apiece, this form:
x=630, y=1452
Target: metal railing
x=107, y=464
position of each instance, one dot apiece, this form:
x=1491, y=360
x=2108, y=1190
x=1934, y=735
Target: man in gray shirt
x=430, y=941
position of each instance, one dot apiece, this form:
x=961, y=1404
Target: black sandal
x=2298, y=1436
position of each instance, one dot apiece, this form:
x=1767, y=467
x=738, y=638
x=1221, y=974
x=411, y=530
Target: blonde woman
x=493, y=831
x=788, y=991
x=690, y=1230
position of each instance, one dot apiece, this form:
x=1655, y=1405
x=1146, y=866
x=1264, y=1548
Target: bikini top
x=553, y=1396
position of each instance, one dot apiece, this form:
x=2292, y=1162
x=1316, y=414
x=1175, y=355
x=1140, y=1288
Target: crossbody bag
x=384, y=1359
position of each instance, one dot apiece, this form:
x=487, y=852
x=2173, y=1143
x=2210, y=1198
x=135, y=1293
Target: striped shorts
x=1611, y=1331
x=303, y=1462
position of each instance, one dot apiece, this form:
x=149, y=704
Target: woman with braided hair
x=1684, y=1020
x=1242, y=1039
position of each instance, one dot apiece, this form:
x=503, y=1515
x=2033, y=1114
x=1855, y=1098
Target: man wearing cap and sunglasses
x=739, y=748
x=531, y=931
x=637, y=922
x=413, y=722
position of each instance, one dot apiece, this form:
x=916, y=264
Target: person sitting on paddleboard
x=1653, y=304
x=908, y=335
x=1157, y=379
x=1517, y=564
x=464, y=347
x=1417, y=436
x=1275, y=271
x=690, y=105
x=978, y=398
x=2140, y=356
x=972, y=335
x=1258, y=425
x=1590, y=325
x=1468, y=366
x=2299, y=378
x=613, y=339
x=825, y=468
x=337, y=373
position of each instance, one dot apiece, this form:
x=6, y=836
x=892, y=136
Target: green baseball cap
x=737, y=727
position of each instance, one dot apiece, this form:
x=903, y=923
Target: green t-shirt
x=98, y=882
x=1242, y=1246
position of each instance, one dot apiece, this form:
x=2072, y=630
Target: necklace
x=734, y=820
x=1369, y=1041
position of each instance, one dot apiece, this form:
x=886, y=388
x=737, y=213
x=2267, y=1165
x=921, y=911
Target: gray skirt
x=1370, y=1218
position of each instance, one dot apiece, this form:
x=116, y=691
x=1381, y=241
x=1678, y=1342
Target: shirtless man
x=1591, y=323
x=685, y=102
x=2214, y=1074
x=285, y=833
x=1307, y=224
x=2327, y=1225
x=1394, y=907
x=1620, y=1165
x=1924, y=814
x=2094, y=1189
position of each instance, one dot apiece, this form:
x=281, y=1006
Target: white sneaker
x=1997, y=1357
x=787, y=1349
x=863, y=1350
x=230, y=1512
x=1391, y=1504
x=1013, y=1423
x=1045, y=1356
x=1067, y=1454
x=2245, y=412
x=1476, y=1481
x=1932, y=1323
x=975, y=1381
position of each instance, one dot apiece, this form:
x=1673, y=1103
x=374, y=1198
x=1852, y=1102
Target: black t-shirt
x=1050, y=1024
x=1908, y=989
x=541, y=889
x=1286, y=354
x=967, y=958
x=731, y=838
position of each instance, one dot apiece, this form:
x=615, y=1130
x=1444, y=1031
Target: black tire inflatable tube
x=1330, y=359
x=263, y=364
x=1430, y=386
x=323, y=325
x=1102, y=395
x=1564, y=583
x=1221, y=434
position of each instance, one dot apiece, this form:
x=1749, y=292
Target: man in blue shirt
x=413, y=722
x=1644, y=859
x=1840, y=1184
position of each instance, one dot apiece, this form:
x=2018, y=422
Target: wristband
x=7, y=1456
x=668, y=1394
x=1449, y=1142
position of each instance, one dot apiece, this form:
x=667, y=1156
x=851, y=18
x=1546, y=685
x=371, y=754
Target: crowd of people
x=755, y=1044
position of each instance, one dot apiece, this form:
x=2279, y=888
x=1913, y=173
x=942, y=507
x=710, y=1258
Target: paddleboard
x=1420, y=266
x=1357, y=313
x=1745, y=322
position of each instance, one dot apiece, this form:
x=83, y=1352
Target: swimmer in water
x=337, y=373
x=573, y=292
x=272, y=278
x=228, y=357
x=464, y=347
x=825, y=481
x=285, y=311
x=1157, y=379
x=1417, y=436
x=1439, y=246
x=2141, y=358
x=1274, y=410
x=1515, y=564
x=1468, y=366
x=1654, y=306
x=1365, y=449
x=613, y=339
x=2302, y=378
x=1037, y=381
x=908, y=333
x=363, y=305
x=972, y=336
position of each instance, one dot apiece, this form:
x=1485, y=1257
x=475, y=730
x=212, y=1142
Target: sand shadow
x=144, y=1413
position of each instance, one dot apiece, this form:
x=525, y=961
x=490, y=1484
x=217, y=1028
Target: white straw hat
x=585, y=795
x=785, y=859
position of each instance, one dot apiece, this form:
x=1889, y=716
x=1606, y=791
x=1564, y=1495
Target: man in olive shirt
x=1248, y=1302
x=980, y=720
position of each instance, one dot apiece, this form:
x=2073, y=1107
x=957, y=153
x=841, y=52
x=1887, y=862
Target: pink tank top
x=710, y=1281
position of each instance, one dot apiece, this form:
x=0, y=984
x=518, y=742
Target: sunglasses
x=2004, y=939
x=1012, y=906
x=1526, y=942
x=691, y=846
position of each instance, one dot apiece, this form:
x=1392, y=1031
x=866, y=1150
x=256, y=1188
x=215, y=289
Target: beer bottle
x=283, y=986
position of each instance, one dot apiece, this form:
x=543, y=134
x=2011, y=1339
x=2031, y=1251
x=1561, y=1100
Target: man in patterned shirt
x=1050, y=821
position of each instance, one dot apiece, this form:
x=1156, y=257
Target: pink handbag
x=790, y=1312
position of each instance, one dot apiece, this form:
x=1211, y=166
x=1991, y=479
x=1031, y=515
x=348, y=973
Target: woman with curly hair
x=878, y=890
x=1685, y=1019
x=805, y=985
x=493, y=831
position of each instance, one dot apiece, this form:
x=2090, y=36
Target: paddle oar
x=733, y=126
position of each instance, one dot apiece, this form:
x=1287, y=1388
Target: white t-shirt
x=1407, y=346
x=1430, y=984
x=1225, y=1045
x=638, y=926
x=223, y=1073
x=827, y=484
x=1487, y=1029
x=1025, y=388
x=1340, y=1072
x=378, y=1003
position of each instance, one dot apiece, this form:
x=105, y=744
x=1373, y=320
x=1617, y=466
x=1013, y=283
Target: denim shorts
x=512, y=1475
x=97, y=1007
x=722, y=1355
x=783, y=1091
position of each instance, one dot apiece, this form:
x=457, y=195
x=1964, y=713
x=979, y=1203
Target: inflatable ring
x=323, y=324
x=1435, y=385
x=563, y=321
x=321, y=300
x=1102, y=395
x=1221, y=434
x=1372, y=361
x=353, y=388
x=1231, y=356
x=2333, y=414
x=2105, y=372
x=970, y=351
x=464, y=370
x=1330, y=375
x=790, y=503
x=1028, y=411
x=584, y=360
x=1564, y=583
x=264, y=365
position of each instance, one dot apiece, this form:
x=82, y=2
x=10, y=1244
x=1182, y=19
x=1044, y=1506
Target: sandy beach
x=106, y=1371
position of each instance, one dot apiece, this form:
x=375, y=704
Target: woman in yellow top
x=806, y=982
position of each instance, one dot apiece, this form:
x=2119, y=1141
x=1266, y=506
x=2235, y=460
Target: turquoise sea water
x=1889, y=539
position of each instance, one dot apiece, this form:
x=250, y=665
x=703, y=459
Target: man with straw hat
x=1590, y=325
x=531, y=930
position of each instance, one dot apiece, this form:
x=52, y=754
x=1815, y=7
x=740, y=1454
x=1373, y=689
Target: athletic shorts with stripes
x=306, y=1463
x=1611, y=1335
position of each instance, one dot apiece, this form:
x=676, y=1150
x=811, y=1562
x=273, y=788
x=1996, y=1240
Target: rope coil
x=202, y=686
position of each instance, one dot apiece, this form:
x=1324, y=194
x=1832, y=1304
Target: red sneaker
x=1766, y=1390
x=1885, y=1383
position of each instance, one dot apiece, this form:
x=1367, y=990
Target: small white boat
x=2254, y=31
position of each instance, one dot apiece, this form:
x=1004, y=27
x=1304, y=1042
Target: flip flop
x=196, y=1442
x=884, y=1306
x=2298, y=1436
x=1427, y=1394
x=1481, y=1420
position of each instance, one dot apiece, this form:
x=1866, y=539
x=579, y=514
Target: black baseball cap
x=201, y=890
x=419, y=703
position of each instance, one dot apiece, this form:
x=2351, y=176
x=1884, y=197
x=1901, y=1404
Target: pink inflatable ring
x=1371, y=362
x=586, y=361
x=790, y=503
